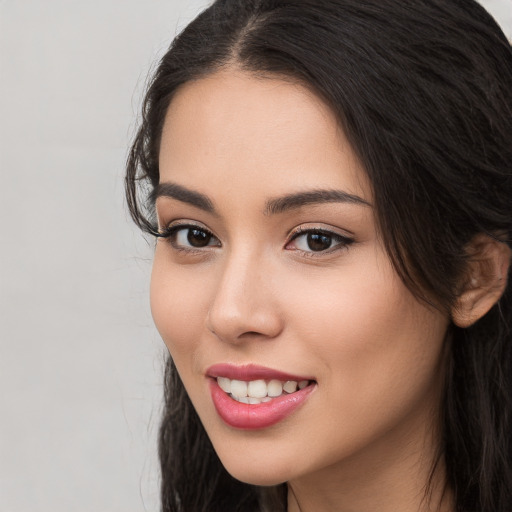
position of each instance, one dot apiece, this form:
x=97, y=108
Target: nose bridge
x=243, y=301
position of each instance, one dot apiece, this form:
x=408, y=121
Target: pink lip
x=254, y=416
x=251, y=372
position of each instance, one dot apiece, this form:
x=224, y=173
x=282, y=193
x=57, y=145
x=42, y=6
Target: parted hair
x=423, y=91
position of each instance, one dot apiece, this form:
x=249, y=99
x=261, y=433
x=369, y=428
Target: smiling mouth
x=259, y=391
x=251, y=397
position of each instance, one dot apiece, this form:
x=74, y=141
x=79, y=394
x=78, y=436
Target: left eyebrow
x=297, y=200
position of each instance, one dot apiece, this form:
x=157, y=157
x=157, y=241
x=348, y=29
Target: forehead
x=233, y=129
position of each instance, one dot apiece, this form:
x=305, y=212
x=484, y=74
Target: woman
x=330, y=185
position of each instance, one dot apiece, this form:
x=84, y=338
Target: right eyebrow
x=300, y=199
x=184, y=195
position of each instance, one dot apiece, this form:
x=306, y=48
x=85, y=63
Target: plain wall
x=80, y=360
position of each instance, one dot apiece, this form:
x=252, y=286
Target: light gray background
x=80, y=361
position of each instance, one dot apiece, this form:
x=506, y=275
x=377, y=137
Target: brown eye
x=319, y=241
x=198, y=237
x=189, y=237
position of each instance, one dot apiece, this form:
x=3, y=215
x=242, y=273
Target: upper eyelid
x=299, y=230
x=184, y=223
x=333, y=234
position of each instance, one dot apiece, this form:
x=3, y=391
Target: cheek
x=179, y=303
x=376, y=346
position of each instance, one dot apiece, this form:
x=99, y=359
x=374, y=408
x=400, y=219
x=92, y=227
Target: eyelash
x=169, y=235
x=341, y=241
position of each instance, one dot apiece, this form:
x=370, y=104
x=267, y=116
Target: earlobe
x=486, y=280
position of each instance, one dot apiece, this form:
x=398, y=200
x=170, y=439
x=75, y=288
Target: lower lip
x=256, y=416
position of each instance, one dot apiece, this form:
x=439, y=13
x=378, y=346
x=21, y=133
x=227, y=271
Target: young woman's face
x=273, y=271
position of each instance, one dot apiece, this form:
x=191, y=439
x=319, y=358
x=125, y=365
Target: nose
x=244, y=306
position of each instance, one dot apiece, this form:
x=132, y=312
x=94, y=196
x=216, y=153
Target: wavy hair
x=423, y=92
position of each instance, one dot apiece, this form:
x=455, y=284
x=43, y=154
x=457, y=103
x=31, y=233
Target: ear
x=486, y=279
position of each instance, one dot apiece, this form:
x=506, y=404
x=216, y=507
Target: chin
x=262, y=471
x=255, y=477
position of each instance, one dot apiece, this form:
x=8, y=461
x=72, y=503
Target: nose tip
x=243, y=309
x=236, y=328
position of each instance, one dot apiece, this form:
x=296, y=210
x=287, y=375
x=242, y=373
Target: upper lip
x=248, y=372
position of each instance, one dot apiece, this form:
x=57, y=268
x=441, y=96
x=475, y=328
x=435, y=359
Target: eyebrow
x=297, y=200
x=272, y=206
x=184, y=195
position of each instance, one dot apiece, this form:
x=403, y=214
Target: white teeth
x=257, y=389
x=224, y=384
x=290, y=386
x=239, y=388
x=275, y=388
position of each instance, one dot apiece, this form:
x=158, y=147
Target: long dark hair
x=423, y=91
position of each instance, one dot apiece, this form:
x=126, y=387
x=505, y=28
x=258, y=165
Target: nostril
x=250, y=334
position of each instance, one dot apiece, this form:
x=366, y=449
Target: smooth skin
x=306, y=288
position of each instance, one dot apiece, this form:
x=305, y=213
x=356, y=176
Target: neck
x=375, y=497
x=390, y=476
